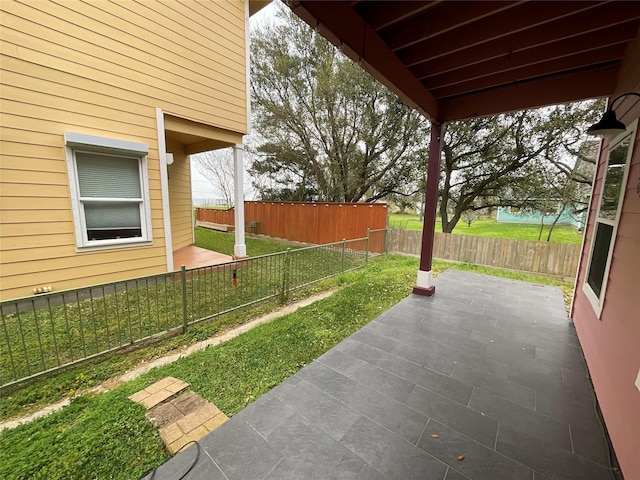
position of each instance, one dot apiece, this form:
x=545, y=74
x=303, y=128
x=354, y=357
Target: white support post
x=240, y=248
x=164, y=188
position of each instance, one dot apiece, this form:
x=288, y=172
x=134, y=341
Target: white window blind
x=105, y=176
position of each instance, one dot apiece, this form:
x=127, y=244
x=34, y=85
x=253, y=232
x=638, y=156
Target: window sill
x=113, y=245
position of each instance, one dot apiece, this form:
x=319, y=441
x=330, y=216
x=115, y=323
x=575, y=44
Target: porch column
x=239, y=249
x=424, y=284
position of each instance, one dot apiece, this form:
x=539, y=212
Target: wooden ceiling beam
x=575, y=86
x=557, y=66
x=385, y=14
x=520, y=18
x=447, y=16
x=591, y=41
x=582, y=23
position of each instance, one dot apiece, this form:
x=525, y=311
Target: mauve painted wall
x=611, y=344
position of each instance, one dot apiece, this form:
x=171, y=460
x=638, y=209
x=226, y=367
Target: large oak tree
x=327, y=130
x=528, y=159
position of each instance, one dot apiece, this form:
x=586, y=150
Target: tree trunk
x=555, y=220
x=424, y=201
x=541, y=227
x=444, y=216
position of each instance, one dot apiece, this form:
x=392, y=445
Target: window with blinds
x=109, y=191
x=110, y=195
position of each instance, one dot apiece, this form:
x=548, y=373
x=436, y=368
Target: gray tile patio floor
x=488, y=368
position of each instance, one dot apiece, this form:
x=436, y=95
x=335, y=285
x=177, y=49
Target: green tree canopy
x=522, y=159
x=328, y=131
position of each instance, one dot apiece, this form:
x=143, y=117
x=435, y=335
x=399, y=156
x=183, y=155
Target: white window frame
x=137, y=152
x=597, y=301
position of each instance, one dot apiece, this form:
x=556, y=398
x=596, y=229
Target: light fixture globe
x=608, y=125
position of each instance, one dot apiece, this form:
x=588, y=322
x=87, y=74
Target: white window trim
x=77, y=142
x=597, y=302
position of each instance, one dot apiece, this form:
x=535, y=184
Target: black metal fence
x=44, y=333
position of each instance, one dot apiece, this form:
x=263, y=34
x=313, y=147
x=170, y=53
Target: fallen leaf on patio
x=460, y=458
x=435, y=435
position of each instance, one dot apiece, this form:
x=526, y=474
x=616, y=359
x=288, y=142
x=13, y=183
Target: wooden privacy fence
x=539, y=257
x=316, y=223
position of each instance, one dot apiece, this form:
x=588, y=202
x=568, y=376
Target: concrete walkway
x=484, y=381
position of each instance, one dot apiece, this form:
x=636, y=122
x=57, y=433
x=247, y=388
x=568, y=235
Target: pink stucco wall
x=611, y=343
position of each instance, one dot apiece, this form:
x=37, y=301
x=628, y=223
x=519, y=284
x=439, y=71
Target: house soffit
x=198, y=137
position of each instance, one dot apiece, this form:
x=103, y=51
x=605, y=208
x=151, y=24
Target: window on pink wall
x=610, y=194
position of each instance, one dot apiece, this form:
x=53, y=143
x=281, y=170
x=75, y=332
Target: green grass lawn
x=107, y=436
x=491, y=228
x=223, y=242
x=103, y=319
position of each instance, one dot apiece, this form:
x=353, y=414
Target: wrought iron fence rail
x=45, y=333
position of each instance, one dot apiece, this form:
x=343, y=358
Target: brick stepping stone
x=159, y=392
x=181, y=418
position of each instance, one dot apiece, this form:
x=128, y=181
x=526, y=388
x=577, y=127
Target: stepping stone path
x=182, y=416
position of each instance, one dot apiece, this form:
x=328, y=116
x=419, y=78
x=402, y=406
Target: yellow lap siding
x=103, y=69
x=33, y=228
x=180, y=203
x=49, y=266
x=52, y=157
x=44, y=165
x=35, y=118
x=9, y=217
x=107, y=63
x=74, y=277
x=36, y=177
x=130, y=46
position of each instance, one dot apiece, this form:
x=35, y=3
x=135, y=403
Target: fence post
x=285, y=276
x=183, y=281
x=366, y=255
x=344, y=252
x=386, y=239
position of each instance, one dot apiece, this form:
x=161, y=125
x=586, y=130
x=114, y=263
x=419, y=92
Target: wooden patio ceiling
x=459, y=59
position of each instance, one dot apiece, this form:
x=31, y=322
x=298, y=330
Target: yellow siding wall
x=101, y=69
x=180, y=198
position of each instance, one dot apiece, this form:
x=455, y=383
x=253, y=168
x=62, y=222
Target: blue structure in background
x=514, y=215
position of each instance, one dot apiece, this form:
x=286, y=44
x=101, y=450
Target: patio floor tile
x=391, y=414
x=479, y=463
x=324, y=411
x=455, y=475
x=473, y=424
x=392, y=455
x=553, y=462
x=500, y=385
x=369, y=473
x=240, y=452
x=488, y=365
x=534, y=423
x=413, y=372
x=384, y=382
x=315, y=454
